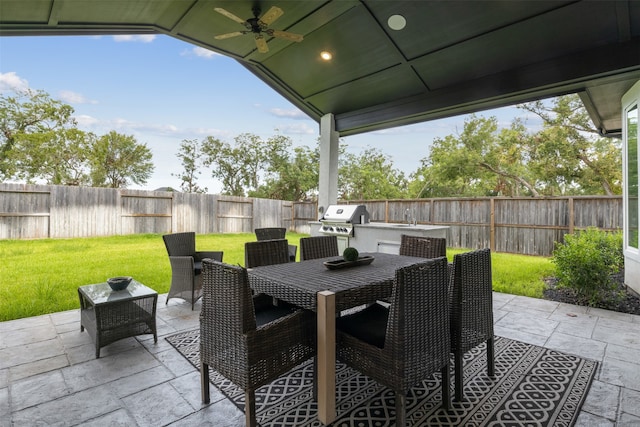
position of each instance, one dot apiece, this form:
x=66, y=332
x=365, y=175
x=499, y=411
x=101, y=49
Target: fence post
x=492, y=227
x=386, y=211
x=571, y=215
x=430, y=211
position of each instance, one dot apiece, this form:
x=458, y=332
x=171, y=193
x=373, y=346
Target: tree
x=64, y=160
x=565, y=157
x=570, y=150
x=242, y=166
x=190, y=155
x=31, y=122
x=292, y=178
x=480, y=161
x=370, y=175
x=119, y=160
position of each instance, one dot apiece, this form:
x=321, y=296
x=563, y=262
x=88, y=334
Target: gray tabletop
x=299, y=282
x=101, y=293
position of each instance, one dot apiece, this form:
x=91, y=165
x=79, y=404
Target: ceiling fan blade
x=286, y=35
x=261, y=44
x=228, y=35
x=271, y=15
x=229, y=15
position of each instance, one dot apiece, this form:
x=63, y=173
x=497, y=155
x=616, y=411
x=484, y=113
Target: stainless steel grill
x=338, y=220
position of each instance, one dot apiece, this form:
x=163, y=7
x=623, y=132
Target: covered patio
x=49, y=374
x=393, y=63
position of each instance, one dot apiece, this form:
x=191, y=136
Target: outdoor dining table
x=311, y=285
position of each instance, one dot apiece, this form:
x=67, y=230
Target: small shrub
x=586, y=261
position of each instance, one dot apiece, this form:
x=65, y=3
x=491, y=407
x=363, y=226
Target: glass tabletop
x=101, y=293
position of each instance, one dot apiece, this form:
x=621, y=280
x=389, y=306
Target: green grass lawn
x=42, y=276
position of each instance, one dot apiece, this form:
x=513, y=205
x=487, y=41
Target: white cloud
x=159, y=129
x=74, y=98
x=86, y=121
x=204, y=53
x=200, y=52
x=299, y=129
x=12, y=82
x=216, y=133
x=143, y=38
x=125, y=126
x=291, y=114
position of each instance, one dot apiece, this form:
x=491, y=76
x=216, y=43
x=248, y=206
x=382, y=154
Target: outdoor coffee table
x=110, y=315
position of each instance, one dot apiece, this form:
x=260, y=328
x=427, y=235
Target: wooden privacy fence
x=518, y=225
x=41, y=211
x=525, y=225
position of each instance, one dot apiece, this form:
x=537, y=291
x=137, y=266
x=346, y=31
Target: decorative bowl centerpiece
x=119, y=283
x=350, y=258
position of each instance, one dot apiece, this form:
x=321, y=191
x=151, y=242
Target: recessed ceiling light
x=326, y=55
x=396, y=22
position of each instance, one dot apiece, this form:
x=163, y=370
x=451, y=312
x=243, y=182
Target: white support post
x=328, y=179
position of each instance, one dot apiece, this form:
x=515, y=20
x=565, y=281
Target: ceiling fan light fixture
x=397, y=22
x=326, y=55
x=258, y=26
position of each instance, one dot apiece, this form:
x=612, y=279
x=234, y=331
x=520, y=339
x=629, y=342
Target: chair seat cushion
x=368, y=325
x=270, y=313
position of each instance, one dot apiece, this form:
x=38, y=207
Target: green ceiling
x=453, y=57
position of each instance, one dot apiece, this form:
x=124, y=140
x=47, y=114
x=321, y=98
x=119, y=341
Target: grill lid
x=356, y=214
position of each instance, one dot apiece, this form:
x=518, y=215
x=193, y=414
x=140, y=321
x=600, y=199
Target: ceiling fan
x=259, y=26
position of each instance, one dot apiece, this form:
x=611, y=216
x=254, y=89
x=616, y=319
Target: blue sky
x=162, y=90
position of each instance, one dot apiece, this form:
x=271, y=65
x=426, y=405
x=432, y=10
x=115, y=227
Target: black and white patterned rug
x=533, y=386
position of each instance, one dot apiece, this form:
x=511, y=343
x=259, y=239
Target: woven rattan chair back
x=270, y=233
x=230, y=343
x=424, y=247
x=273, y=233
x=266, y=252
x=318, y=247
x=180, y=244
x=471, y=309
x=417, y=342
x=186, y=281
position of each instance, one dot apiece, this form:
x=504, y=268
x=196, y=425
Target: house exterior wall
x=631, y=178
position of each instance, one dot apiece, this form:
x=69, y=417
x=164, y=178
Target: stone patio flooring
x=49, y=375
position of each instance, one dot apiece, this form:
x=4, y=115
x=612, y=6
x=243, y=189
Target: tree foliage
x=291, y=177
x=566, y=157
x=570, y=156
x=237, y=166
x=190, y=155
x=370, y=175
x=40, y=140
x=31, y=124
x=263, y=168
x=119, y=160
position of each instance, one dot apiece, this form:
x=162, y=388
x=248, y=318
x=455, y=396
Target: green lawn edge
x=42, y=276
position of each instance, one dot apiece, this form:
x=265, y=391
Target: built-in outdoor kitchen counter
x=385, y=237
x=352, y=227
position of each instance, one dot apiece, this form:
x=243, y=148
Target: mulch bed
x=619, y=299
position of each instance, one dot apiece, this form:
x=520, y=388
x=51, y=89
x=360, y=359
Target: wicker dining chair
x=272, y=233
x=266, y=252
x=249, y=344
x=186, y=265
x=318, y=247
x=403, y=345
x=424, y=247
x=471, y=310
